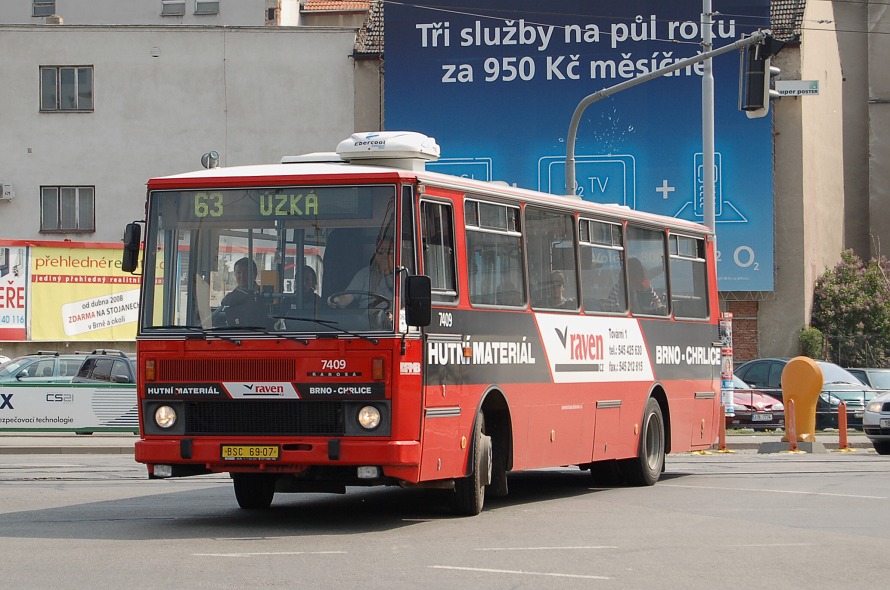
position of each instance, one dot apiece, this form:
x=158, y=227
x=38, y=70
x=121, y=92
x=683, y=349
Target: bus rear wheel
x=469, y=492
x=254, y=492
x=645, y=469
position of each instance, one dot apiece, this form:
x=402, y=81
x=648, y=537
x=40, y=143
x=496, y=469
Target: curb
x=66, y=450
x=764, y=447
x=831, y=446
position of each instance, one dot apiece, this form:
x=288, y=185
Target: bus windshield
x=278, y=259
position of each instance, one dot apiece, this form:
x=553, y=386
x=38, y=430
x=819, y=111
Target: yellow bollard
x=801, y=384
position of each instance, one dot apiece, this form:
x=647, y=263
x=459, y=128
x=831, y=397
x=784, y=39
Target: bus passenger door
x=443, y=402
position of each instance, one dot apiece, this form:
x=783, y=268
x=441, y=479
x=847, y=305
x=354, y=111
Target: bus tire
x=469, y=492
x=254, y=492
x=881, y=447
x=606, y=473
x=646, y=468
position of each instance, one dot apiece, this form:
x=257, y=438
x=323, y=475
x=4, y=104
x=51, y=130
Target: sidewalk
x=55, y=443
x=68, y=443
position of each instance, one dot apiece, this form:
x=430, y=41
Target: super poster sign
x=496, y=84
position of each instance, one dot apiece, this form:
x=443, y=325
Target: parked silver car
x=876, y=423
x=876, y=378
x=43, y=367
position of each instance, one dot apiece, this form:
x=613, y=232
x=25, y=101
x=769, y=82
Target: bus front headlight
x=165, y=417
x=369, y=417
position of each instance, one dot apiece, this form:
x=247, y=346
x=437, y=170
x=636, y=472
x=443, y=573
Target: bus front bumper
x=292, y=456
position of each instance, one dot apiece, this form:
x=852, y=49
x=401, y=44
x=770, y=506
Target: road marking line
x=771, y=545
x=268, y=553
x=673, y=485
x=517, y=572
x=545, y=548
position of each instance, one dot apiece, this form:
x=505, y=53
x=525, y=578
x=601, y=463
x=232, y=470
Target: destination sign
x=278, y=203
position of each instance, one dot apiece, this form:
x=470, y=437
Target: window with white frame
x=205, y=7
x=172, y=7
x=66, y=88
x=67, y=209
x=43, y=8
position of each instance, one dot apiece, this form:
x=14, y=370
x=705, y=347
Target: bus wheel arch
x=645, y=469
x=499, y=425
x=489, y=457
x=660, y=396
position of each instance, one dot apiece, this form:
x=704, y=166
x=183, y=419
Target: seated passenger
x=310, y=299
x=555, y=296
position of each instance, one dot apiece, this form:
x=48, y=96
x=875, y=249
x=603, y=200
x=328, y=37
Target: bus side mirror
x=418, y=300
x=132, y=238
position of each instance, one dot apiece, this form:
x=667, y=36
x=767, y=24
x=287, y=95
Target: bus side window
x=494, y=254
x=689, y=288
x=551, y=259
x=438, y=249
x=602, y=266
x=648, y=291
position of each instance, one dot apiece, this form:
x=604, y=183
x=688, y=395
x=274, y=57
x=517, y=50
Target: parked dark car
x=107, y=366
x=874, y=378
x=754, y=409
x=45, y=366
x=838, y=385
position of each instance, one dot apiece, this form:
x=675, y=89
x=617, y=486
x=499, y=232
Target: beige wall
x=879, y=126
x=133, y=12
x=809, y=182
x=253, y=94
x=853, y=51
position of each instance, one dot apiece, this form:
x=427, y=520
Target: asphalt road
x=724, y=519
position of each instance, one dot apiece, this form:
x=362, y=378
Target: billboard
x=496, y=84
x=66, y=291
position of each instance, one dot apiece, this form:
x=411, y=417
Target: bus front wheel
x=254, y=492
x=645, y=469
x=469, y=492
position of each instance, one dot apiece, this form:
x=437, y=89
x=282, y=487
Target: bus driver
x=241, y=305
x=372, y=286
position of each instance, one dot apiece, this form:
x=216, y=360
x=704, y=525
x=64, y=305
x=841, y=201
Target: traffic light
x=757, y=73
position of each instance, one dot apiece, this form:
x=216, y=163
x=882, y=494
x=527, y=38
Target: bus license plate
x=761, y=417
x=250, y=452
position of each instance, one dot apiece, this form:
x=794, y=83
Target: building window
x=67, y=209
x=172, y=7
x=202, y=7
x=43, y=8
x=66, y=88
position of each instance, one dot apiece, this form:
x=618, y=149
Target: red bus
x=351, y=319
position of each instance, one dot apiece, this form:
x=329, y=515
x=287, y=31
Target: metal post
x=707, y=120
x=756, y=37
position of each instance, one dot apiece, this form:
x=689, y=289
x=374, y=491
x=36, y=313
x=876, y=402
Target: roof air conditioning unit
x=8, y=193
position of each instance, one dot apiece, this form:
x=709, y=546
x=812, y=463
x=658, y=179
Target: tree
x=851, y=306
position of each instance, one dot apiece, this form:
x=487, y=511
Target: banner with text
x=13, y=283
x=496, y=83
x=81, y=294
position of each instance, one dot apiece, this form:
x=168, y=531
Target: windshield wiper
x=203, y=332
x=265, y=331
x=327, y=324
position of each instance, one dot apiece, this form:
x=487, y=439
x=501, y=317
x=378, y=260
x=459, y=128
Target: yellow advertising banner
x=81, y=294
